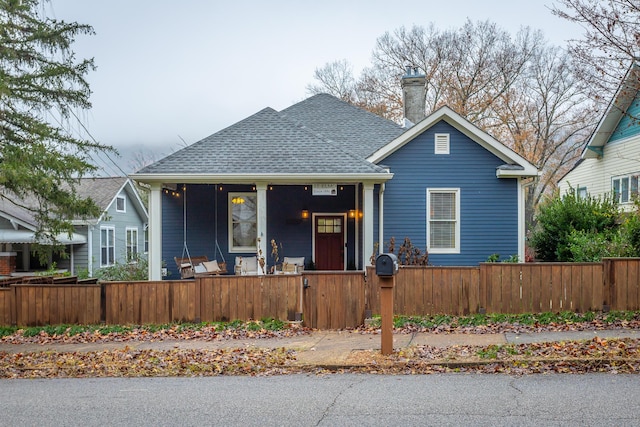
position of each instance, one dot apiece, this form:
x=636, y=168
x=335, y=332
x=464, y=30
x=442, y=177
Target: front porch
x=324, y=223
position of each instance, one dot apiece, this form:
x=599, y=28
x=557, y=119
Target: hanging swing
x=189, y=266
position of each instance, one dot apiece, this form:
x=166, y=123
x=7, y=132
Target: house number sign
x=325, y=189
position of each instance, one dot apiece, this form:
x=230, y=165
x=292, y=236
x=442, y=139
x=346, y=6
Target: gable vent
x=442, y=143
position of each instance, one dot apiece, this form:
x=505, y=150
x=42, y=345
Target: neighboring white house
x=610, y=162
x=117, y=235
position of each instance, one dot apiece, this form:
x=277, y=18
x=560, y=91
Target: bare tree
x=335, y=78
x=546, y=116
x=610, y=43
x=519, y=89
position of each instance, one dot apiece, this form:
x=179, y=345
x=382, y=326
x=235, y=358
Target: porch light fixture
x=305, y=214
x=237, y=200
x=352, y=213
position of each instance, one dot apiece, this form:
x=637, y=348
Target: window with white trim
x=443, y=220
x=243, y=222
x=132, y=243
x=107, y=246
x=441, y=142
x=625, y=188
x=146, y=238
x=121, y=204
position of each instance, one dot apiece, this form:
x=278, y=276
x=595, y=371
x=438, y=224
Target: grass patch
x=529, y=319
x=269, y=324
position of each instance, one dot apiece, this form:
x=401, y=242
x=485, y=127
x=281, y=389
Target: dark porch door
x=329, y=250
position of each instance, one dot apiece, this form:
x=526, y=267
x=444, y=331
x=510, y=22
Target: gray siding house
x=116, y=236
x=329, y=182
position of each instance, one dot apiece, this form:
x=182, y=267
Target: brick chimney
x=413, y=96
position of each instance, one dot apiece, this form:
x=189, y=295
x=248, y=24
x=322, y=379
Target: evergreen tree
x=42, y=86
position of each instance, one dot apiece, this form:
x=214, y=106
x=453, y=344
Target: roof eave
x=625, y=94
x=275, y=178
x=517, y=173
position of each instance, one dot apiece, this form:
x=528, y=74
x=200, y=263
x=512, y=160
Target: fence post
x=608, y=279
x=483, y=289
x=14, y=306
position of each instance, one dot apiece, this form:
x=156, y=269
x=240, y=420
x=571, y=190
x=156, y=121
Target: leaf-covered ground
x=476, y=324
x=139, y=334
x=596, y=355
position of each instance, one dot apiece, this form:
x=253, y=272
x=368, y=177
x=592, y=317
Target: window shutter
x=442, y=143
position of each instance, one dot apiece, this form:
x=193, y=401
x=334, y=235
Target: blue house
x=329, y=182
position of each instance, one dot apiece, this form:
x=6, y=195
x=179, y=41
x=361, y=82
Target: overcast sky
x=170, y=71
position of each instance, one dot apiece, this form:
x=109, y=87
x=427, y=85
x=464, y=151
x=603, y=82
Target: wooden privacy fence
x=332, y=300
x=206, y=299
x=429, y=290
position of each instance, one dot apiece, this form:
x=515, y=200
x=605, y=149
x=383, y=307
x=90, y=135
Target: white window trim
x=630, y=198
x=456, y=249
x=240, y=249
x=145, y=241
x=124, y=204
x=441, y=142
x=112, y=231
x=137, y=242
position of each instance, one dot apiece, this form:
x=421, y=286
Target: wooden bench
x=189, y=267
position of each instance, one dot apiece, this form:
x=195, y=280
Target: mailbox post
x=386, y=270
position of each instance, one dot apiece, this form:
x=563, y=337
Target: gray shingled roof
x=354, y=129
x=318, y=135
x=101, y=190
x=266, y=142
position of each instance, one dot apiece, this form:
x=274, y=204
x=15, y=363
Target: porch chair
x=293, y=264
x=246, y=265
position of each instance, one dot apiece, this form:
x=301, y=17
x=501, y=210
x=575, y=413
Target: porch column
x=367, y=223
x=261, y=189
x=521, y=220
x=155, y=232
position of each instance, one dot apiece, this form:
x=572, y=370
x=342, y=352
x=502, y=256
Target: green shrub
x=559, y=217
x=130, y=271
x=631, y=229
x=586, y=246
x=493, y=258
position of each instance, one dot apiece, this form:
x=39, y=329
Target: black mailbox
x=386, y=265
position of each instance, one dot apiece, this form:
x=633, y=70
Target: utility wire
x=94, y=140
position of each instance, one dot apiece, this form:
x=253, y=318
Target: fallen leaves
x=595, y=355
x=173, y=332
x=129, y=362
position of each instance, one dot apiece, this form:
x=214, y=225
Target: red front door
x=329, y=250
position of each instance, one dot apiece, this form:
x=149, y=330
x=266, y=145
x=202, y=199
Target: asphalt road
x=329, y=400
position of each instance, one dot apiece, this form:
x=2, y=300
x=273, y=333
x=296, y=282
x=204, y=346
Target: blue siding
x=489, y=206
x=120, y=221
x=628, y=126
x=284, y=224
